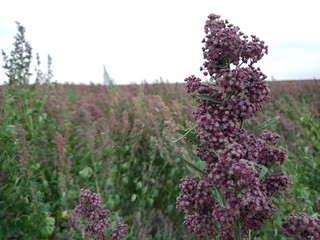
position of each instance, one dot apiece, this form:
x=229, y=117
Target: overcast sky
x=147, y=39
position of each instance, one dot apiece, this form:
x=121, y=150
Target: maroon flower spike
x=90, y=208
x=302, y=227
x=233, y=196
x=119, y=232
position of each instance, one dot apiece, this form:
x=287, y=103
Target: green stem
x=184, y=135
x=237, y=230
x=251, y=235
x=95, y=175
x=96, y=182
x=118, y=181
x=241, y=123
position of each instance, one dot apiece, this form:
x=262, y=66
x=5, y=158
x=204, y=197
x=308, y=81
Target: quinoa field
x=119, y=141
x=79, y=159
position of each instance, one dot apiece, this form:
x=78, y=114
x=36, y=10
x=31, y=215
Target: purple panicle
x=302, y=227
x=90, y=208
x=237, y=162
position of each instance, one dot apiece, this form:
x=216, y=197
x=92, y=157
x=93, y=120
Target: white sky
x=149, y=39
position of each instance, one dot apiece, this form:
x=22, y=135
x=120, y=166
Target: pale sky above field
x=147, y=39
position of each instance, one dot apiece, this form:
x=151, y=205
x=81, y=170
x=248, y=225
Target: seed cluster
x=90, y=208
x=302, y=227
x=236, y=160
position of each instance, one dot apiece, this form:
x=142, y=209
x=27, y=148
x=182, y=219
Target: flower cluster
x=119, y=232
x=199, y=204
x=239, y=164
x=302, y=227
x=225, y=44
x=90, y=208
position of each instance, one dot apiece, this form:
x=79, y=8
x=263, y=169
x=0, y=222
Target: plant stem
x=241, y=123
x=237, y=230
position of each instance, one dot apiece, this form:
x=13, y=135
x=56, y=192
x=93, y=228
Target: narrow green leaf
x=212, y=151
x=207, y=97
x=251, y=235
x=17, y=180
x=264, y=125
x=194, y=167
x=263, y=170
x=218, y=196
x=189, y=135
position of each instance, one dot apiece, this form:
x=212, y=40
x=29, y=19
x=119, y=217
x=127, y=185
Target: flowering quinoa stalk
x=233, y=197
x=90, y=208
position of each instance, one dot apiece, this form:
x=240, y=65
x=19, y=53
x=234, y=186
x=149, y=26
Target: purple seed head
x=237, y=162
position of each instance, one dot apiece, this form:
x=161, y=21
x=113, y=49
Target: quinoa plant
x=17, y=65
x=234, y=194
x=26, y=187
x=90, y=208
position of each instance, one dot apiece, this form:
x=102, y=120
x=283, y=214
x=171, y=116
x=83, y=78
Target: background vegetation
x=119, y=141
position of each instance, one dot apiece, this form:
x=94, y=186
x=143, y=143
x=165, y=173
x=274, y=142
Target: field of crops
x=93, y=161
x=120, y=142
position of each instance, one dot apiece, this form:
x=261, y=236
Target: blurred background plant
x=119, y=141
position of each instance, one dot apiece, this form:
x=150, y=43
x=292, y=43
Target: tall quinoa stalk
x=232, y=197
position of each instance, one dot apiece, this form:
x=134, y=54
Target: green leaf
x=150, y=201
x=17, y=180
x=206, y=97
x=139, y=185
x=189, y=135
x=133, y=197
x=35, y=166
x=218, y=196
x=194, y=167
x=29, y=111
x=47, y=227
x=263, y=170
x=86, y=173
x=64, y=215
x=264, y=125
